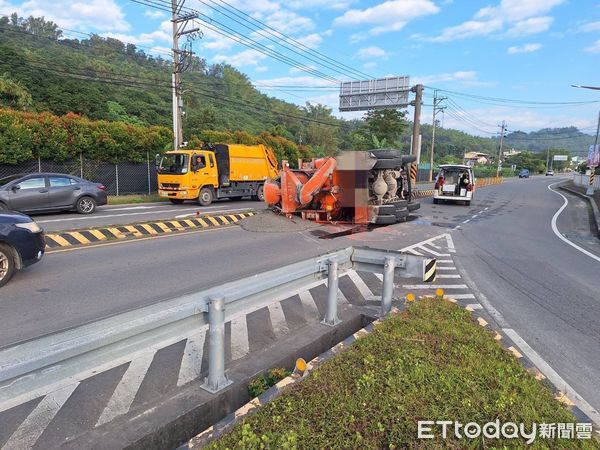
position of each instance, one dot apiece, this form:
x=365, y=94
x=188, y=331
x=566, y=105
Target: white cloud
x=154, y=14
x=466, y=78
x=102, y=15
x=590, y=27
x=371, y=52
x=358, y=37
x=520, y=17
x=311, y=40
x=527, y=48
x=241, y=59
x=261, y=69
x=533, y=25
x=391, y=15
x=370, y=65
x=594, y=48
x=320, y=4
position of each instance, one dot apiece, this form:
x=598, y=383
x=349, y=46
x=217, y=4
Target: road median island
x=98, y=235
x=432, y=362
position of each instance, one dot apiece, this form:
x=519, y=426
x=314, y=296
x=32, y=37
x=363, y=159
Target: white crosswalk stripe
x=446, y=268
x=450, y=275
x=191, y=362
x=278, y=321
x=308, y=305
x=124, y=393
x=362, y=287
x=434, y=286
x=36, y=422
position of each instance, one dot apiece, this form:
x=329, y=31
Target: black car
x=21, y=243
x=40, y=192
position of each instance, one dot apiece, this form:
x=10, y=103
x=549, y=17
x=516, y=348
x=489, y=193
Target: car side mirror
x=15, y=188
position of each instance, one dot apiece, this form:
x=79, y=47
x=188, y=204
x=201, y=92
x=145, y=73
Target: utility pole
x=503, y=129
x=436, y=109
x=416, y=151
x=590, y=188
x=181, y=61
x=547, y=159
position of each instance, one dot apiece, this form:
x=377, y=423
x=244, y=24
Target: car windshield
x=4, y=181
x=175, y=163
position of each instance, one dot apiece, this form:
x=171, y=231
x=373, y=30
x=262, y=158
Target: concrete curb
x=225, y=425
x=90, y=236
x=592, y=202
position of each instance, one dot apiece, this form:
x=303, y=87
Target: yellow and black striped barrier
x=140, y=230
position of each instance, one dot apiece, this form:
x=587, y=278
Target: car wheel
x=86, y=205
x=176, y=201
x=435, y=201
x=206, y=196
x=3, y=206
x=260, y=195
x=7, y=264
x=468, y=202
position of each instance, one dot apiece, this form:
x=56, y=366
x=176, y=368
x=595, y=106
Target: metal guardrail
x=51, y=359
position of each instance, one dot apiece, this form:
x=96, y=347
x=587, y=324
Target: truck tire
x=391, y=163
x=7, y=264
x=386, y=154
x=386, y=210
x=402, y=213
x=413, y=206
x=206, y=196
x=387, y=219
x=176, y=201
x=260, y=194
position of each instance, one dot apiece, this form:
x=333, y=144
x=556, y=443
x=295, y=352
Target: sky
x=477, y=54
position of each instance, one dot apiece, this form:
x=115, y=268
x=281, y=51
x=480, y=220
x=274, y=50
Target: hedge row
x=26, y=135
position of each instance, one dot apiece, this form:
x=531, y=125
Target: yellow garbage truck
x=215, y=171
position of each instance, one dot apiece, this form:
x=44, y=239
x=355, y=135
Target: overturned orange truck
x=363, y=187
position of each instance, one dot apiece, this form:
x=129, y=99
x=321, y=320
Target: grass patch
x=432, y=362
x=261, y=383
x=126, y=199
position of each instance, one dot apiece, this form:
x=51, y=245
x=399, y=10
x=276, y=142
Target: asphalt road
x=545, y=289
x=126, y=214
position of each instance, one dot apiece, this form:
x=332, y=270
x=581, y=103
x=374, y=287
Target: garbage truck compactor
x=370, y=187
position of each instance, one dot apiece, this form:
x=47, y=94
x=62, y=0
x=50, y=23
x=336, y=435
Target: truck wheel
x=392, y=163
x=413, y=206
x=7, y=264
x=402, y=213
x=260, y=194
x=206, y=196
x=176, y=201
x=387, y=219
x=385, y=154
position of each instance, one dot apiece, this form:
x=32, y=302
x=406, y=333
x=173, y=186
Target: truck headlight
x=30, y=226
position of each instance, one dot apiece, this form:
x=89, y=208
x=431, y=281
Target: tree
x=321, y=131
x=385, y=124
x=13, y=95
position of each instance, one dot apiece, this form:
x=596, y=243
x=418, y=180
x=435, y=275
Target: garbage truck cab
x=215, y=171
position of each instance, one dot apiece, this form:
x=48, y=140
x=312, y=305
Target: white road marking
x=474, y=217
x=239, y=338
x=553, y=376
x=450, y=243
x=183, y=216
x=463, y=296
x=278, y=321
x=557, y=232
x=380, y=276
x=474, y=306
x=457, y=227
x=107, y=216
x=446, y=268
x=36, y=422
x=444, y=261
x=191, y=363
x=466, y=221
x=360, y=285
x=131, y=208
x=448, y=275
x=433, y=252
x=434, y=286
x=309, y=305
x=481, y=212
x=414, y=252
x=124, y=393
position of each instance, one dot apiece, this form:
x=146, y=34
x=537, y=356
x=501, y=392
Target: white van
x=454, y=183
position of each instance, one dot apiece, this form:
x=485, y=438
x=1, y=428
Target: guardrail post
x=388, y=285
x=331, y=317
x=216, y=379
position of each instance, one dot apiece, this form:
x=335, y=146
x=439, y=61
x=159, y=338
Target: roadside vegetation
x=127, y=199
x=431, y=362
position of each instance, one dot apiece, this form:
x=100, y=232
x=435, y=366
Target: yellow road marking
x=212, y=220
x=97, y=234
x=190, y=223
x=129, y=241
x=116, y=233
x=59, y=240
x=79, y=237
x=149, y=229
x=163, y=227
x=134, y=230
x=176, y=224
x=232, y=217
x=224, y=220
x=204, y=224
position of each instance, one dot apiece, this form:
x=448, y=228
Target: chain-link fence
x=119, y=179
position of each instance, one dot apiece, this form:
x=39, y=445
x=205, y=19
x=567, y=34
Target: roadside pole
x=590, y=188
x=415, y=150
x=503, y=126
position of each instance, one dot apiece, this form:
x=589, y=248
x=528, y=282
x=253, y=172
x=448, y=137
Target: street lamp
x=590, y=189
